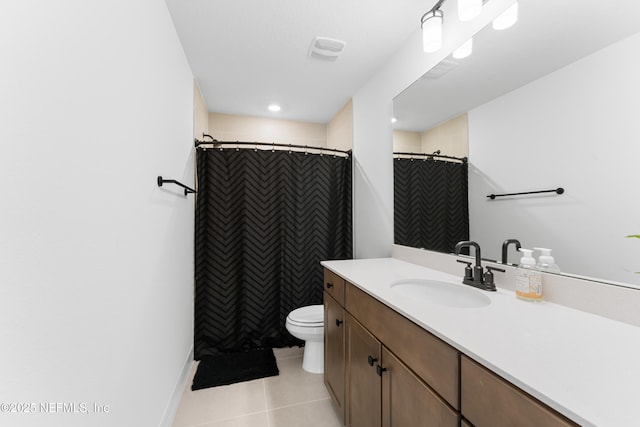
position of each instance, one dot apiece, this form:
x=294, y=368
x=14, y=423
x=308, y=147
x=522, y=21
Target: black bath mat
x=229, y=368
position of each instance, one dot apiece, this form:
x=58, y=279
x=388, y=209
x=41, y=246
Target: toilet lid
x=311, y=314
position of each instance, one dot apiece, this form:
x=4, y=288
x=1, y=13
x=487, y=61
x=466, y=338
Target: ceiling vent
x=326, y=49
x=440, y=69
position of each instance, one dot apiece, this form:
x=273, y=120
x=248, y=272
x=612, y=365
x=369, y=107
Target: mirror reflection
x=551, y=102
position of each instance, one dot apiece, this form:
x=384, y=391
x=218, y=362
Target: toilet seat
x=311, y=316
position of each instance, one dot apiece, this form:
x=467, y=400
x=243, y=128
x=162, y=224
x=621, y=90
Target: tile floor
x=294, y=398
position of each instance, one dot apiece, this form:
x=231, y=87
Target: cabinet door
x=407, y=401
x=488, y=400
x=363, y=382
x=334, y=359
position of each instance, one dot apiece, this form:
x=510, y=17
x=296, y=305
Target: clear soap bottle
x=528, y=278
x=546, y=261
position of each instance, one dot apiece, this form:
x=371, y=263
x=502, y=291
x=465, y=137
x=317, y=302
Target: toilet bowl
x=307, y=324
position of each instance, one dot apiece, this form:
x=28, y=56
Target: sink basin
x=441, y=293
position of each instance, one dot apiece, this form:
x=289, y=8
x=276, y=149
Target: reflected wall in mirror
x=551, y=102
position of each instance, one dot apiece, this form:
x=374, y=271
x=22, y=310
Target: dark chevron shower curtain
x=430, y=203
x=264, y=221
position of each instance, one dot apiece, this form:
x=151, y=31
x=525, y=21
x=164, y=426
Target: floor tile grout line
x=231, y=418
x=266, y=401
x=297, y=404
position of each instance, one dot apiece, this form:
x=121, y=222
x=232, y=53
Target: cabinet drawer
x=433, y=360
x=334, y=286
x=489, y=400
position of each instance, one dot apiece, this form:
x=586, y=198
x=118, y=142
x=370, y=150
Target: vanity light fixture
x=469, y=9
x=507, y=18
x=464, y=50
x=431, y=23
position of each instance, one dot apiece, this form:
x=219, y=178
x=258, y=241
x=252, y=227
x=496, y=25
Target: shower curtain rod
x=430, y=156
x=217, y=144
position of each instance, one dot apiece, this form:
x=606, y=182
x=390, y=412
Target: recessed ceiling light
x=393, y=120
x=275, y=108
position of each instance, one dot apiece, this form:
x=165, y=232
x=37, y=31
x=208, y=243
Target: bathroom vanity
x=406, y=358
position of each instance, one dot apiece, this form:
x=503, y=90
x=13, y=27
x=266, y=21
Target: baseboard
x=172, y=407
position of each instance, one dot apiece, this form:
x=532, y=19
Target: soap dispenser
x=546, y=261
x=528, y=278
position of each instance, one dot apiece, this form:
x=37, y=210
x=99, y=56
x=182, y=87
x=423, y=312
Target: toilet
x=307, y=324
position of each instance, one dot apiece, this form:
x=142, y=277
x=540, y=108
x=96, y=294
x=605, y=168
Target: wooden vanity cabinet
x=489, y=400
x=383, y=370
x=433, y=361
x=334, y=340
x=382, y=388
x=383, y=391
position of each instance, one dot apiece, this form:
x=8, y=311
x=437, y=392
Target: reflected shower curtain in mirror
x=264, y=221
x=431, y=206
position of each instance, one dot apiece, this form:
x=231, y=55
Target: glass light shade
x=469, y=9
x=464, y=50
x=432, y=31
x=507, y=18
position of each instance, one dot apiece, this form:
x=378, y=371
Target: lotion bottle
x=546, y=261
x=528, y=278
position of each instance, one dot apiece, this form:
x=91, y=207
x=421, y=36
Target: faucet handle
x=488, y=277
x=468, y=272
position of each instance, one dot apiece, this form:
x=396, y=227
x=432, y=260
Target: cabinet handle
x=371, y=360
x=380, y=370
x=339, y=322
x=329, y=285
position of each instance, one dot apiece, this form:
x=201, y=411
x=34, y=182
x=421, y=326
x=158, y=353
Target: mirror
x=550, y=102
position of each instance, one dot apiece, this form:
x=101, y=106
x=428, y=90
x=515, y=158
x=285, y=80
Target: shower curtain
x=431, y=207
x=264, y=221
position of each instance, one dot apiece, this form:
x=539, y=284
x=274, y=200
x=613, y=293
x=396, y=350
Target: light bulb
x=507, y=18
x=464, y=50
x=274, y=107
x=432, y=31
x=469, y=9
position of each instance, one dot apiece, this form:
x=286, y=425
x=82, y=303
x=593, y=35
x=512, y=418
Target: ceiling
x=247, y=54
x=549, y=34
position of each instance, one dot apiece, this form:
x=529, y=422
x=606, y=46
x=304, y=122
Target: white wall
x=96, y=261
x=576, y=128
x=233, y=127
x=340, y=129
x=372, y=132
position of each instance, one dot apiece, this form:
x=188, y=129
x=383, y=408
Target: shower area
x=266, y=215
x=431, y=205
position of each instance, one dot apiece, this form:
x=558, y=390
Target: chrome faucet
x=475, y=276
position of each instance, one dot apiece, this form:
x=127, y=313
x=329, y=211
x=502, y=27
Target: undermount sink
x=442, y=293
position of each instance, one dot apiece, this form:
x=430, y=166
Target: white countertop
x=585, y=366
